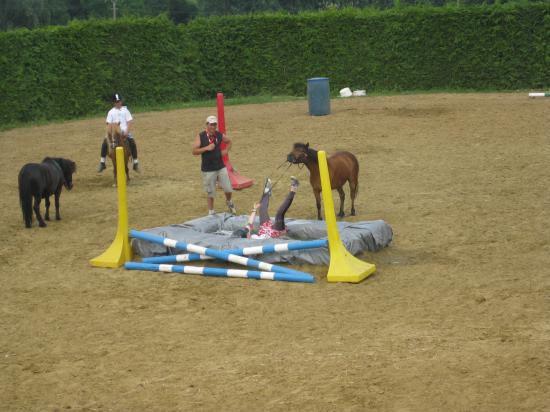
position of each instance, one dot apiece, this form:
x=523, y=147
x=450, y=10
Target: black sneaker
x=231, y=207
x=101, y=167
x=137, y=168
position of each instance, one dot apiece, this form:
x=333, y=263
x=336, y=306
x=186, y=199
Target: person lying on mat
x=268, y=229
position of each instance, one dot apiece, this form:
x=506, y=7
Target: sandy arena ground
x=455, y=318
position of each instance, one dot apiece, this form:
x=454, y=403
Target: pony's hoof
x=114, y=184
x=47, y=218
x=353, y=212
x=42, y=224
x=341, y=214
x=58, y=218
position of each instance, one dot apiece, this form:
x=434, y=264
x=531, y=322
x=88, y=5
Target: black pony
x=41, y=180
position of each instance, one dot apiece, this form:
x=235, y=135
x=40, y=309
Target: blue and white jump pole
x=220, y=272
x=247, y=251
x=241, y=260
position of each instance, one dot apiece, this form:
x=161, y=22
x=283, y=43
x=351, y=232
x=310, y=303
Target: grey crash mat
x=215, y=232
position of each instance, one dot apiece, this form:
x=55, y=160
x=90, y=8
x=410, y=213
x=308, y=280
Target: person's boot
x=101, y=167
x=267, y=186
x=294, y=183
x=231, y=207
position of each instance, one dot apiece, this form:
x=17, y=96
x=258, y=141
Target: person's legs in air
x=280, y=216
x=264, y=202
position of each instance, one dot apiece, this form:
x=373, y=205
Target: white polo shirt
x=121, y=116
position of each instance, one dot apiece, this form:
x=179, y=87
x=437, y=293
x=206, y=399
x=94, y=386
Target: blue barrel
x=318, y=96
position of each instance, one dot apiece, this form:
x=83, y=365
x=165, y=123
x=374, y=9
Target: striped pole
x=241, y=260
x=220, y=272
x=247, y=251
x=539, y=94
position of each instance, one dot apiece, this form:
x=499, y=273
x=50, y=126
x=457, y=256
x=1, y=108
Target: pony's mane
x=311, y=153
x=64, y=164
x=114, y=131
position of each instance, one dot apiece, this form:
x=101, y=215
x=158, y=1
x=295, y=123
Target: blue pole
x=253, y=250
x=220, y=272
x=241, y=260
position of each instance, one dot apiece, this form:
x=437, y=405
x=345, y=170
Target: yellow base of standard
x=116, y=255
x=344, y=267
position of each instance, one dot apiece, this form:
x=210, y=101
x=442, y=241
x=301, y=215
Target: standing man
x=120, y=115
x=207, y=144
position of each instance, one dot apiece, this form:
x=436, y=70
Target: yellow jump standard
x=344, y=267
x=120, y=251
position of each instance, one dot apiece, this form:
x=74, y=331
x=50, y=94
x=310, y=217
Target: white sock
x=102, y=160
x=211, y=212
x=136, y=161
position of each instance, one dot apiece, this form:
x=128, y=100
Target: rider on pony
x=120, y=115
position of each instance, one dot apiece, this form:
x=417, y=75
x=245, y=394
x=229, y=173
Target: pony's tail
x=25, y=199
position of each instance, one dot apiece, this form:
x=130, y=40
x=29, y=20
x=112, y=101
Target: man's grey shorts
x=209, y=181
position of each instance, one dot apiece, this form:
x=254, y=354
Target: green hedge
x=64, y=72
x=498, y=47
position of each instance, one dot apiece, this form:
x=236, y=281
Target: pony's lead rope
x=282, y=174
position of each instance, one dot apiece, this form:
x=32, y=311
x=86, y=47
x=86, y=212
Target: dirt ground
x=455, y=318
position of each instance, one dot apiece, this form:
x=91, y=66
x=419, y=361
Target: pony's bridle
x=116, y=141
x=301, y=163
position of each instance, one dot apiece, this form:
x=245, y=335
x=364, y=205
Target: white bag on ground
x=345, y=92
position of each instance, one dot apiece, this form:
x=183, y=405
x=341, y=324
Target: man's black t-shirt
x=212, y=160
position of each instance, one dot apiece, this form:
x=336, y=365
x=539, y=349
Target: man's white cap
x=211, y=119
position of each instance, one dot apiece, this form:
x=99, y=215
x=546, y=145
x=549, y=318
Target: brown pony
x=115, y=138
x=342, y=167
